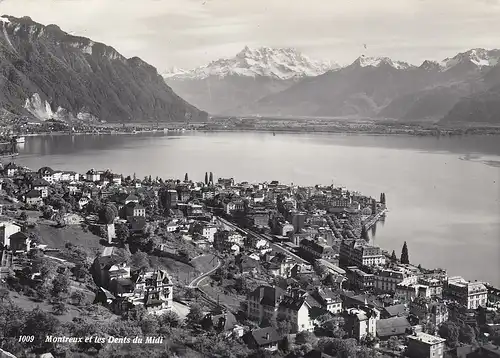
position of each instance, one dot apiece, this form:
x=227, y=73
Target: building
x=358, y=279
x=33, y=197
x=20, y=242
x=42, y=186
x=207, y=230
x=267, y=303
x=262, y=338
x=311, y=250
x=406, y=292
x=386, y=280
x=93, y=176
x=469, y=294
x=429, y=311
x=360, y=322
x=358, y=253
x=423, y=345
x=47, y=174
x=392, y=327
x=134, y=209
x=7, y=229
x=435, y=285
x=225, y=240
x=328, y=299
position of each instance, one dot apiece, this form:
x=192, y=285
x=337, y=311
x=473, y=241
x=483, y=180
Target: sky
x=190, y=33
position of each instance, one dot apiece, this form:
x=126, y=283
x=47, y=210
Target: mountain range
x=250, y=75
x=49, y=74
x=459, y=88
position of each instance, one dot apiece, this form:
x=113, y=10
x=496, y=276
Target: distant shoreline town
x=269, y=267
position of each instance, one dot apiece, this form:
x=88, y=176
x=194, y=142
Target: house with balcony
x=358, y=253
x=360, y=322
x=429, y=310
x=386, y=280
x=328, y=299
x=407, y=291
x=472, y=295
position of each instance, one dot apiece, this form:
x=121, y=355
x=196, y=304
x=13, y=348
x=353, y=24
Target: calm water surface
x=443, y=193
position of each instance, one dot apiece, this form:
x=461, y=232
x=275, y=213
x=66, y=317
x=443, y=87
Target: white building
x=360, y=322
x=7, y=229
x=469, y=294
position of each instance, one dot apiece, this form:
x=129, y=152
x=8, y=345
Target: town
x=212, y=267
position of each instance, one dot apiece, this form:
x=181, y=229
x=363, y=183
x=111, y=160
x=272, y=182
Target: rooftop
x=426, y=338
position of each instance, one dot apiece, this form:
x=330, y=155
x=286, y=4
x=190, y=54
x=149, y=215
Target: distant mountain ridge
x=382, y=87
x=47, y=73
x=248, y=76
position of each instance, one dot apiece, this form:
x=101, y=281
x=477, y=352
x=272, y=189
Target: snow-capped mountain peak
x=479, y=57
x=429, y=65
x=279, y=63
x=364, y=61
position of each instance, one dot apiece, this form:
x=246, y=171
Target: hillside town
x=212, y=267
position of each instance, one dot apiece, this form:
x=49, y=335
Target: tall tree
x=211, y=178
x=206, y=178
x=186, y=178
x=405, y=259
x=364, y=234
x=393, y=256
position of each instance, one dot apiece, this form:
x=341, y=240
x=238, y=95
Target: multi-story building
x=407, y=291
x=234, y=206
x=360, y=322
x=435, y=285
x=93, y=176
x=329, y=300
x=472, y=295
x=358, y=253
x=312, y=250
x=358, y=279
x=7, y=229
x=386, y=280
x=423, y=345
x=171, y=199
x=270, y=303
x=429, y=311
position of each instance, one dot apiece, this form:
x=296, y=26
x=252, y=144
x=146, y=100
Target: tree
x=364, y=234
x=194, y=316
x=23, y=216
x=77, y=297
x=40, y=324
x=139, y=261
x=449, y=331
x=393, y=343
x=405, y=259
x=186, y=178
x=394, y=258
x=149, y=325
x=59, y=308
x=122, y=233
x=206, y=178
x=211, y=178
x=107, y=214
x=60, y=285
x=305, y=337
x=467, y=334
x=382, y=198
x=4, y=294
x=374, y=206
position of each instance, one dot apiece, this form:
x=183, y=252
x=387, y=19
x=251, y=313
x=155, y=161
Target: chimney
x=267, y=336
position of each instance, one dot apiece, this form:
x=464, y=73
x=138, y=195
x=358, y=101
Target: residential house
x=469, y=294
x=392, y=327
x=7, y=229
x=33, y=197
x=281, y=265
x=406, y=291
x=135, y=210
x=93, y=176
x=116, y=179
x=131, y=199
x=430, y=311
x=207, y=230
x=47, y=174
x=330, y=301
x=42, y=186
x=225, y=240
x=69, y=176
x=11, y=169
x=20, y=242
x=285, y=228
x=268, y=303
x=263, y=338
x=156, y=289
x=360, y=322
x=423, y=345
x=247, y=264
x=234, y=206
x=82, y=202
x=400, y=310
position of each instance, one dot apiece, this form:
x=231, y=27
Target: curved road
x=196, y=282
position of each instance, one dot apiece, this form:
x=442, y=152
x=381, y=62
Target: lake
x=443, y=193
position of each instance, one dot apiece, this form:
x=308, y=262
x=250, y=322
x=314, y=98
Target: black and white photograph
x=250, y=179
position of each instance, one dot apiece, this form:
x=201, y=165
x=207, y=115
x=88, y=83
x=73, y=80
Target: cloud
x=192, y=32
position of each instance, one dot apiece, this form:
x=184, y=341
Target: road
x=196, y=282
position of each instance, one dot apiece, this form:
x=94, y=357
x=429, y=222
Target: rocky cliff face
x=47, y=73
